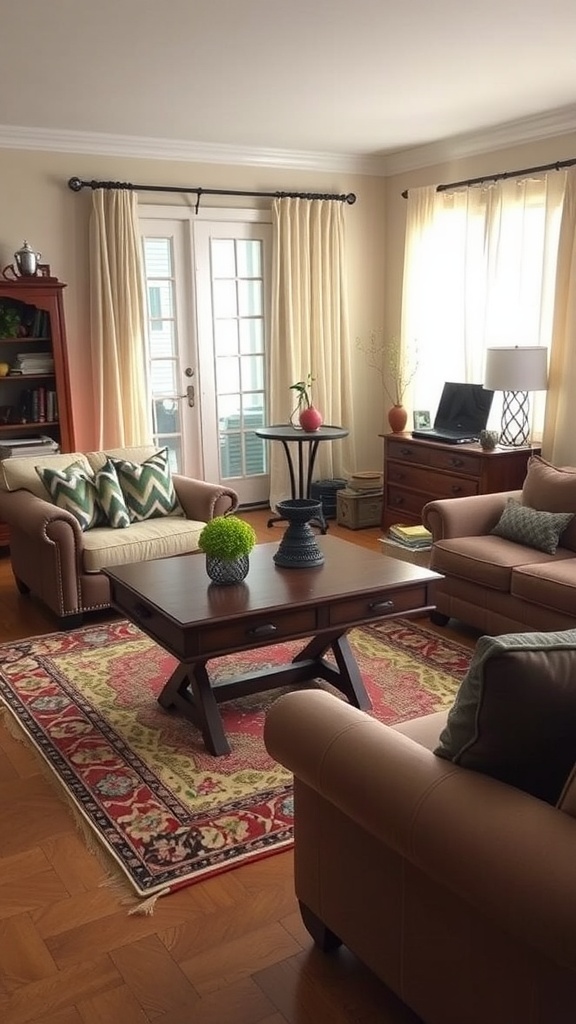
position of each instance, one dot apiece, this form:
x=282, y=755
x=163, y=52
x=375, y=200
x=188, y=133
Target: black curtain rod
x=557, y=166
x=76, y=184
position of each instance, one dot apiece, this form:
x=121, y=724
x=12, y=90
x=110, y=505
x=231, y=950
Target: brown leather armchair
x=55, y=561
x=457, y=890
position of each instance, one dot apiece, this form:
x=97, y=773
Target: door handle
x=189, y=395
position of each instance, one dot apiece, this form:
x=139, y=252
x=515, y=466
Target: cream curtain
x=118, y=317
x=560, y=421
x=479, y=271
x=309, y=329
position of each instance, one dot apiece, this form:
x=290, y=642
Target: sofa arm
x=203, y=501
x=25, y=512
x=475, y=836
x=472, y=516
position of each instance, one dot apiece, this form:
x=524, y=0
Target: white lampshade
x=517, y=368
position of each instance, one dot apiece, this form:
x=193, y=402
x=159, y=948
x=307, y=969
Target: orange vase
x=397, y=418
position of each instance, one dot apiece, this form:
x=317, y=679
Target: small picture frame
x=421, y=419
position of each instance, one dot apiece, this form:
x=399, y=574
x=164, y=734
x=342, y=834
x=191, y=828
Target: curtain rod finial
x=75, y=184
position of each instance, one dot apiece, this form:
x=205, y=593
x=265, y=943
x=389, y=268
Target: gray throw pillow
x=514, y=716
x=540, y=530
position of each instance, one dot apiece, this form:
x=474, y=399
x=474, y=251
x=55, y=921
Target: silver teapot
x=27, y=260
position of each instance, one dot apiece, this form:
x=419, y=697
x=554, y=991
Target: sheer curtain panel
x=118, y=317
x=560, y=422
x=309, y=328
x=479, y=271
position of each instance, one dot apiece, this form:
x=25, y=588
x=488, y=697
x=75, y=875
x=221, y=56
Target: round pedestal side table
x=307, y=443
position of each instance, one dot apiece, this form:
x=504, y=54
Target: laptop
x=462, y=413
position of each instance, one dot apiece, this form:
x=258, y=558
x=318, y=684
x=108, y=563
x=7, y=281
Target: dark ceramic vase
x=226, y=571
x=298, y=547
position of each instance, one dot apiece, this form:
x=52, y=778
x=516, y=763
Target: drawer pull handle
x=456, y=462
x=382, y=606
x=406, y=452
x=398, y=500
x=142, y=611
x=267, y=630
x=455, y=489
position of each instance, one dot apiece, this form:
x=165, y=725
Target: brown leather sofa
x=55, y=560
x=496, y=584
x=456, y=889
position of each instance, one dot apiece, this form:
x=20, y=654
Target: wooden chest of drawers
x=416, y=472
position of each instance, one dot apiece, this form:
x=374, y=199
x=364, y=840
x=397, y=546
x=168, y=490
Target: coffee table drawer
x=362, y=609
x=256, y=632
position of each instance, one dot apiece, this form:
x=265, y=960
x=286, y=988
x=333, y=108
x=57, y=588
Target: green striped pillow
x=110, y=496
x=147, y=487
x=74, y=490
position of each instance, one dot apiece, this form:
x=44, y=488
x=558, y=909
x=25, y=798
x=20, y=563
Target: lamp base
x=515, y=431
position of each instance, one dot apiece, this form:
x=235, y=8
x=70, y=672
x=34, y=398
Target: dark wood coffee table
x=173, y=601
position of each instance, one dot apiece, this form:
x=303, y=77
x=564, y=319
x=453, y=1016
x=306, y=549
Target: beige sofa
x=496, y=584
x=59, y=563
x=456, y=888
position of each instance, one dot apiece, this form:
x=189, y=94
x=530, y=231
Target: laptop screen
x=464, y=407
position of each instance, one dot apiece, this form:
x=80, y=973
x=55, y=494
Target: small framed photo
x=421, y=419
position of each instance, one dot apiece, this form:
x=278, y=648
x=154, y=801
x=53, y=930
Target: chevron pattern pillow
x=74, y=490
x=148, y=488
x=540, y=530
x=110, y=496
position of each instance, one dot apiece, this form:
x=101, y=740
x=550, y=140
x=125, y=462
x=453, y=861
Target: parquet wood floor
x=230, y=949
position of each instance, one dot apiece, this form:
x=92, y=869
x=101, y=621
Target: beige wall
x=36, y=204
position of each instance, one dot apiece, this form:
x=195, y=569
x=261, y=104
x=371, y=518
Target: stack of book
x=31, y=363
x=27, y=447
x=413, y=537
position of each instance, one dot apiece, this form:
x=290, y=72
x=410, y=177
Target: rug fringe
x=148, y=905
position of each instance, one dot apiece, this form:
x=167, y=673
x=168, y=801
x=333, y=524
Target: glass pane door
x=232, y=316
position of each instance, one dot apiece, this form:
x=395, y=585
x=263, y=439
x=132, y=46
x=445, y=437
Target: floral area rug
x=168, y=812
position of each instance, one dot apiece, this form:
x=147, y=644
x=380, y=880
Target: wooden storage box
x=356, y=510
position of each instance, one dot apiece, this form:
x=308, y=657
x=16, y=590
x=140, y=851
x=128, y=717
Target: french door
x=208, y=292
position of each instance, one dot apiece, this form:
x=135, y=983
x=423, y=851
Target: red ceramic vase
x=397, y=418
x=310, y=419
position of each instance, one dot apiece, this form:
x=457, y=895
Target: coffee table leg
x=348, y=679
x=206, y=707
x=200, y=707
x=352, y=684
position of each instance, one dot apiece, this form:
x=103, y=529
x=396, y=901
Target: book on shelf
x=28, y=447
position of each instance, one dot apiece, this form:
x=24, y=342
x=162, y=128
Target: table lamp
x=516, y=370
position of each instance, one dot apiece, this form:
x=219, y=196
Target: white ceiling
x=313, y=78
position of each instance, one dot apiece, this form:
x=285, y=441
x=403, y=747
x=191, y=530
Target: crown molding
x=502, y=136
x=102, y=144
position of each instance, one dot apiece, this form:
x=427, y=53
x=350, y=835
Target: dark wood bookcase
x=38, y=402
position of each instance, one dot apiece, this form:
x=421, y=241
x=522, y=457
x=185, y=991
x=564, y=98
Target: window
x=479, y=271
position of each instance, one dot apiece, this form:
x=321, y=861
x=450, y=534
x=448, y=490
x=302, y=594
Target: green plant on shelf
x=10, y=322
x=227, y=538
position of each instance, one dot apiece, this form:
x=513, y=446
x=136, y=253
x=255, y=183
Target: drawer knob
x=455, y=489
x=456, y=462
x=382, y=607
x=406, y=452
x=399, y=500
x=266, y=630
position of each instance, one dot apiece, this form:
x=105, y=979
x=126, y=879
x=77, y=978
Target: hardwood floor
x=232, y=948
